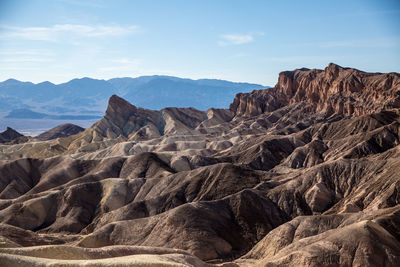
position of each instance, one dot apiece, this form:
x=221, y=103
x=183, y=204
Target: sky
x=237, y=40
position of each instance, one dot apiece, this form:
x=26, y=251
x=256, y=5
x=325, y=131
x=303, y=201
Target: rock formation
x=302, y=174
x=62, y=130
x=9, y=135
x=335, y=90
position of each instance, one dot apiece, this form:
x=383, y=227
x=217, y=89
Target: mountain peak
x=333, y=70
x=333, y=66
x=119, y=105
x=9, y=134
x=46, y=83
x=13, y=82
x=10, y=130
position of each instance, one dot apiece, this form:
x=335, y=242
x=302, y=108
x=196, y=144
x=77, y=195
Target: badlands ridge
x=306, y=173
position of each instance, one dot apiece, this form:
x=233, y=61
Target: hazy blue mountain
x=29, y=114
x=88, y=97
x=157, y=92
x=163, y=92
x=24, y=113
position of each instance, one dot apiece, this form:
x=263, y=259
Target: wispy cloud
x=238, y=39
x=126, y=61
x=239, y=55
x=26, y=53
x=9, y=68
x=25, y=60
x=86, y=3
x=122, y=65
x=235, y=39
x=302, y=59
x=61, y=32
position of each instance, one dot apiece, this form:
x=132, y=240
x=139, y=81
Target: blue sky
x=249, y=41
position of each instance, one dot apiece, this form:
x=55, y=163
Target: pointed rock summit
x=9, y=134
x=118, y=106
x=122, y=118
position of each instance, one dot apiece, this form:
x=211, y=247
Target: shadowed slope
x=62, y=130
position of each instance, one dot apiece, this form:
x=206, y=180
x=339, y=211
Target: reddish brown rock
x=336, y=90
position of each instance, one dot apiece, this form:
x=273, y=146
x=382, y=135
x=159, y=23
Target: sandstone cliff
x=335, y=90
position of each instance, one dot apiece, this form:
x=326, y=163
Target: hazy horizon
x=127, y=77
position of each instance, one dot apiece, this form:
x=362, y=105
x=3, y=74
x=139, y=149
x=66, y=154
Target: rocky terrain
x=306, y=173
x=9, y=135
x=63, y=130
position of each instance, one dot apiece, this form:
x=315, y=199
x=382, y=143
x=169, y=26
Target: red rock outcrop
x=338, y=90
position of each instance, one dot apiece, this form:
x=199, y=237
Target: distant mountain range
x=29, y=114
x=86, y=98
